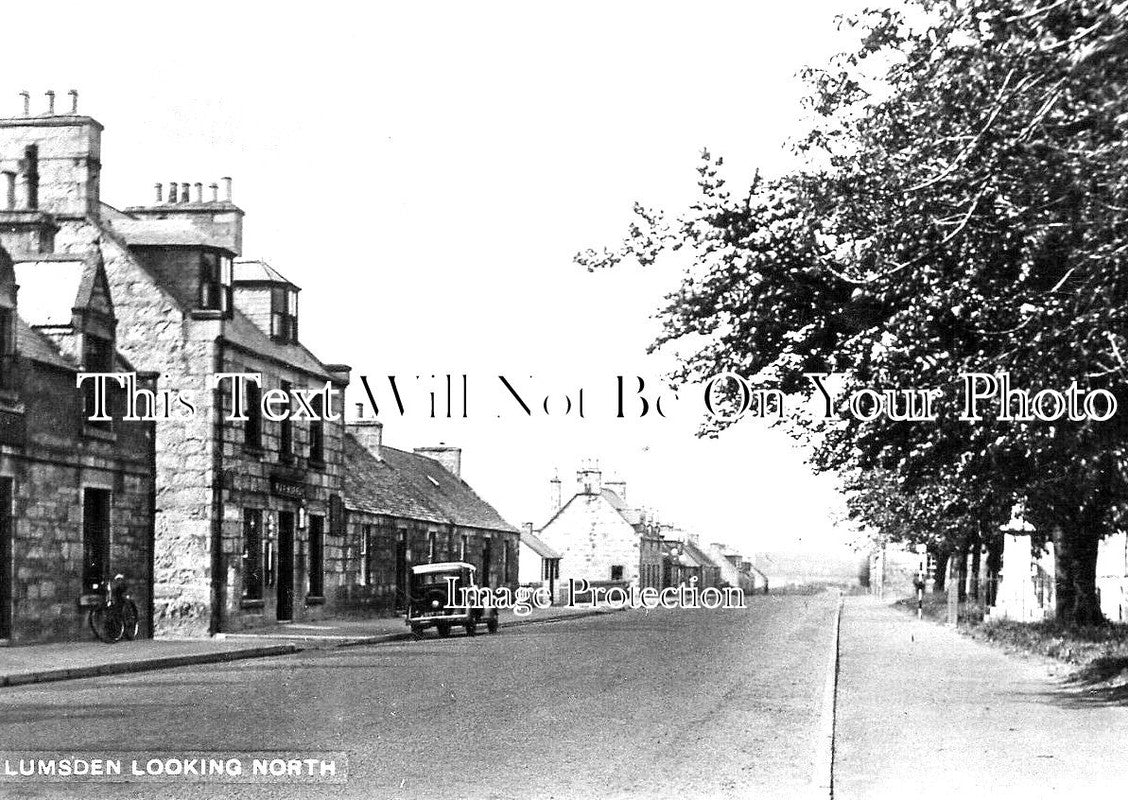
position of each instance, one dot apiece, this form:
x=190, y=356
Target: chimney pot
x=50, y=102
x=199, y=187
x=226, y=188
x=26, y=95
x=184, y=192
x=160, y=191
x=172, y=191
x=214, y=192
x=74, y=100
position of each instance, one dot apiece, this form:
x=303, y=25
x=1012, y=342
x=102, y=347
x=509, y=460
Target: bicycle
x=116, y=616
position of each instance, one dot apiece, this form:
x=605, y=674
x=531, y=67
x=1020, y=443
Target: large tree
x=964, y=209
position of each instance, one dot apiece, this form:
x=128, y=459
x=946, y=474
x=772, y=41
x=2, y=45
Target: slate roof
x=538, y=546
x=256, y=271
x=412, y=486
x=34, y=345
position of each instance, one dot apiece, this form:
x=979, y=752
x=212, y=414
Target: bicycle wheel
x=106, y=624
x=130, y=620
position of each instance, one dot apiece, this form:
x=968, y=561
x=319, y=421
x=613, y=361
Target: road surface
x=664, y=703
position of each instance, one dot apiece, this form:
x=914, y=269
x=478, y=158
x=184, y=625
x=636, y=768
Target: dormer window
x=284, y=313
x=215, y=282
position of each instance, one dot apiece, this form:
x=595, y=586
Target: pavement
x=923, y=712
x=71, y=660
x=665, y=703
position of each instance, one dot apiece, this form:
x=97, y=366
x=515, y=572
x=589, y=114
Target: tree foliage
x=965, y=209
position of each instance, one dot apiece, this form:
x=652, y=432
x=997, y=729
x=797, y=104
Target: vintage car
x=432, y=587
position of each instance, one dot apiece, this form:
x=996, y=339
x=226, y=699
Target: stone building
x=249, y=518
x=414, y=508
x=600, y=538
x=76, y=494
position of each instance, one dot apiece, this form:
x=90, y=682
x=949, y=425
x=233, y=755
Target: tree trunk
x=994, y=565
x=975, y=553
x=960, y=571
x=941, y=560
x=1075, y=550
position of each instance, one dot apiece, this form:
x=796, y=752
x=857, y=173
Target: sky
x=426, y=173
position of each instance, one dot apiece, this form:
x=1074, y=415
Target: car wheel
x=444, y=629
x=491, y=624
x=416, y=632
x=471, y=627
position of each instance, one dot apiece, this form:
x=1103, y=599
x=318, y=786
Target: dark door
x=285, y=608
x=401, y=570
x=6, y=567
x=95, y=539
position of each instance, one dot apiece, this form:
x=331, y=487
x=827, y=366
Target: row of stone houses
x=593, y=534
x=221, y=517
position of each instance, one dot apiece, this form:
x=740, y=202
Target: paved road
x=637, y=704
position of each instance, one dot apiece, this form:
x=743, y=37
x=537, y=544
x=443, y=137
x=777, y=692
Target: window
x=317, y=556
x=617, y=572
x=98, y=356
x=252, y=554
x=95, y=539
x=486, y=558
x=505, y=561
x=286, y=427
x=215, y=282
x=284, y=313
x=252, y=428
x=317, y=432
x=431, y=547
x=462, y=547
x=7, y=345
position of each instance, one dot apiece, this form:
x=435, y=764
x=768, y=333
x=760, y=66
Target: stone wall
x=378, y=594
x=156, y=335
x=49, y=474
x=246, y=479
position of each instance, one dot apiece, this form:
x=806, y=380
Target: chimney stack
x=199, y=187
x=527, y=528
x=618, y=486
x=50, y=102
x=555, y=496
x=214, y=192
x=449, y=457
x=74, y=100
x=370, y=434
x=160, y=192
x=172, y=191
x=26, y=95
x=588, y=478
x=184, y=193
x=226, y=188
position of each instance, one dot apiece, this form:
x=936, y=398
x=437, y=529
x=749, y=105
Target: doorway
x=95, y=540
x=401, y=570
x=6, y=566
x=285, y=606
